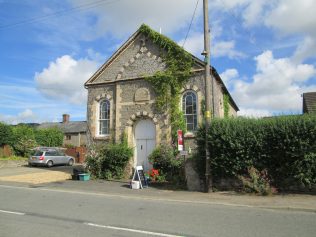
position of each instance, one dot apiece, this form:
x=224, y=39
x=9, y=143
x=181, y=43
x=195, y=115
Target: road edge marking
x=13, y=212
x=131, y=230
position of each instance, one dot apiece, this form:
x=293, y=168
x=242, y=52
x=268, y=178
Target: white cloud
x=276, y=86
x=252, y=12
x=64, y=79
x=303, y=22
x=226, y=49
x=24, y=117
x=229, y=75
x=229, y=4
x=194, y=44
x=122, y=17
x=292, y=16
x=254, y=113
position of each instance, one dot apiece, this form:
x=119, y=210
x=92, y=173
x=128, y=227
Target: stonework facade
x=121, y=81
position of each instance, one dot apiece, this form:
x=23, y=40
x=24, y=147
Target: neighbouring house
x=309, y=103
x=74, y=131
x=122, y=101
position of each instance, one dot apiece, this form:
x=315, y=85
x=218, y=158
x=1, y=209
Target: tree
x=23, y=140
x=5, y=134
x=49, y=137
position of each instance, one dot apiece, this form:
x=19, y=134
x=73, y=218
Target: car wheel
x=49, y=163
x=31, y=165
x=70, y=162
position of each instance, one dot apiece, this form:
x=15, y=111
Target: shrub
x=109, y=161
x=24, y=140
x=113, y=160
x=305, y=170
x=257, y=182
x=165, y=159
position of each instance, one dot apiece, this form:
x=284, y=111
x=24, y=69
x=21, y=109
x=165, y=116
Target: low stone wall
x=194, y=183
x=12, y=163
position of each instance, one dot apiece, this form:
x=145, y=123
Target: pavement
x=290, y=202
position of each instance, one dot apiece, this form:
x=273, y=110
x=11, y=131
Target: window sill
x=189, y=135
x=104, y=137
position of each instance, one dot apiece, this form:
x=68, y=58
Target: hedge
x=23, y=138
x=284, y=145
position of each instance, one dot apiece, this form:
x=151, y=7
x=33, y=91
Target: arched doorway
x=145, y=139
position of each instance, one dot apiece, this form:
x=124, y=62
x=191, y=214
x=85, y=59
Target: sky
x=264, y=50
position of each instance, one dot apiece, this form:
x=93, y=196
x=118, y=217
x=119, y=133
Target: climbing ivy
x=168, y=84
x=226, y=105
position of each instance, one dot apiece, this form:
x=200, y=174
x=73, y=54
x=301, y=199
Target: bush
x=23, y=140
x=5, y=134
x=51, y=137
x=165, y=159
x=280, y=145
x=257, y=182
x=109, y=161
x=305, y=170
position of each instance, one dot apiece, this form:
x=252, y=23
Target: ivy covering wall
x=168, y=84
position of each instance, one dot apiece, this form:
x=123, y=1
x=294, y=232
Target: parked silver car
x=50, y=156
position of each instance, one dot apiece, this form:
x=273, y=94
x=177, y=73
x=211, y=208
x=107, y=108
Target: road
x=46, y=212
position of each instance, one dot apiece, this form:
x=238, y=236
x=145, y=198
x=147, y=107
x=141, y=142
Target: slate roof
x=68, y=127
x=309, y=102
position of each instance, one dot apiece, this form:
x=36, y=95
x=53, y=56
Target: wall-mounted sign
x=180, y=140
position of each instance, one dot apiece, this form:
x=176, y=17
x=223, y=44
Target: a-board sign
x=140, y=176
x=184, y=153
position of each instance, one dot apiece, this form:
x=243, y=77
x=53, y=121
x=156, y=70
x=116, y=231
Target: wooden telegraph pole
x=208, y=79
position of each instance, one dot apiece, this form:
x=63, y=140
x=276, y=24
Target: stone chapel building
x=122, y=101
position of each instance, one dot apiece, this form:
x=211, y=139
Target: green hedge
x=285, y=146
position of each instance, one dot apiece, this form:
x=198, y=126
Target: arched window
x=104, y=117
x=189, y=110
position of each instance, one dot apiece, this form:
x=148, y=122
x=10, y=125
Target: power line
x=197, y=3
x=73, y=9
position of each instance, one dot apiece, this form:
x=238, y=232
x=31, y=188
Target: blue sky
x=264, y=50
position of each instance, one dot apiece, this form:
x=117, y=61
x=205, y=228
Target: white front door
x=145, y=138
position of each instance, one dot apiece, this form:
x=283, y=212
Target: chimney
x=65, y=118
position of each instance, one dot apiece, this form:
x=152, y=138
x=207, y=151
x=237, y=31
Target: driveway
x=36, y=175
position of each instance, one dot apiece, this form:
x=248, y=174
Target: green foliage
x=109, y=161
x=166, y=159
x=23, y=140
x=226, y=105
x=257, y=182
x=280, y=144
x=168, y=84
x=5, y=134
x=51, y=137
x=305, y=170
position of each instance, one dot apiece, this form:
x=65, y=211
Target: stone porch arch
x=130, y=127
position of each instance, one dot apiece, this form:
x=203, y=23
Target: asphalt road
x=39, y=212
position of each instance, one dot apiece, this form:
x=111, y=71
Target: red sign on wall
x=180, y=140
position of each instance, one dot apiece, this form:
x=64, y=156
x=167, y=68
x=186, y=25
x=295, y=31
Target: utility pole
x=207, y=115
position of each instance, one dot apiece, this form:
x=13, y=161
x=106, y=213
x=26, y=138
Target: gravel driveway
x=35, y=175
